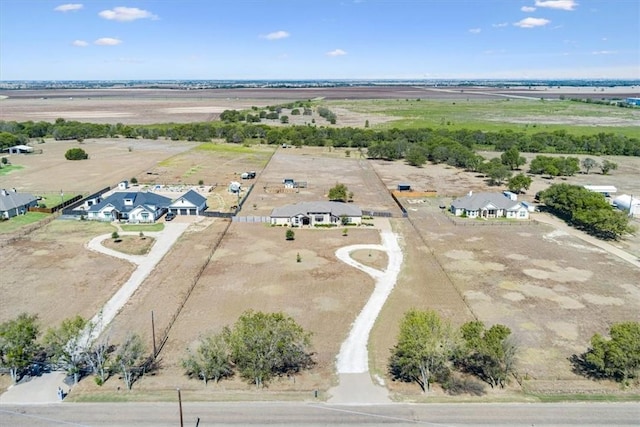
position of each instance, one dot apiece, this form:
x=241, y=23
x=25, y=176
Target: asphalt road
x=320, y=414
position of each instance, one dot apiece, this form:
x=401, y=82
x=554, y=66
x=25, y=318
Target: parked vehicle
x=170, y=216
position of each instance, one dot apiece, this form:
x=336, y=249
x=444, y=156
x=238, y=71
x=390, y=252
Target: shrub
x=290, y=235
x=76, y=154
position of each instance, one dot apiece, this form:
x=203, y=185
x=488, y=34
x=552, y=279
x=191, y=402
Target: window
x=318, y=218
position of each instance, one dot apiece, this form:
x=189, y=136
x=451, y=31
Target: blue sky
x=319, y=39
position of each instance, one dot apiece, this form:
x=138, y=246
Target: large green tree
x=617, y=357
x=18, y=344
x=76, y=154
x=339, y=193
x=264, y=345
x=210, y=361
x=488, y=353
x=425, y=345
x=519, y=183
x=512, y=158
x=588, y=164
x=68, y=345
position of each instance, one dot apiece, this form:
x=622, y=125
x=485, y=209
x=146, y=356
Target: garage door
x=184, y=211
x=192, y=211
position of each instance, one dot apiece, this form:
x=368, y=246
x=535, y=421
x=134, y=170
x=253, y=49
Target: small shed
x=404, y=187
x=123, y=185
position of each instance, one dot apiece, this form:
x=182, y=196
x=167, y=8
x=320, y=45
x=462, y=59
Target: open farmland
x=551, y=288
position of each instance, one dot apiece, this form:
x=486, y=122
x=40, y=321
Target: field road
x=318, y=414
x=561, y=225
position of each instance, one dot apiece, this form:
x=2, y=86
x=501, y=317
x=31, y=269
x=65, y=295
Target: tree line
x=389, y=144
x=259, y=346
x=586, y=210
x=429, y=350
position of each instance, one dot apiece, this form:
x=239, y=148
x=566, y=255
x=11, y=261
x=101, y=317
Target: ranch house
x=134, y=207
x=488, y=205
x=316, y=213
x=13, y=203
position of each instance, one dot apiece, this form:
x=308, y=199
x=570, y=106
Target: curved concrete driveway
x=43, y=389
x=146, y=263
x=353, y=359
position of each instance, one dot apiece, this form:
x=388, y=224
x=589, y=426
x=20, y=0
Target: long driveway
x=353, y=360
x=43, y=389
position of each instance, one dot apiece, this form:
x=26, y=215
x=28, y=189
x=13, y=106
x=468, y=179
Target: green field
x=19, y=221
x=7, y=169
x=495, y=115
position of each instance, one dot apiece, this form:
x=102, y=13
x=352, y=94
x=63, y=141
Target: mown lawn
x=17, y=222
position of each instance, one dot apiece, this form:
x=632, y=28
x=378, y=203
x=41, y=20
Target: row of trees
x=259, y=346
x=586, y=210
x=68, y=347
x=540, y=142
x=429, y=349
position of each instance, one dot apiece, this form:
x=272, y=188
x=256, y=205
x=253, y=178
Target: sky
x=319, y=39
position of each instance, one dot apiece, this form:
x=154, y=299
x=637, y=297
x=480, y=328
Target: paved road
x=312, y=414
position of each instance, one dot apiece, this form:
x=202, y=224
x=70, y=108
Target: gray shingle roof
x=478, y=201
x=305, y=208
x=139, y=199
x=193, y=197
x=14, y=200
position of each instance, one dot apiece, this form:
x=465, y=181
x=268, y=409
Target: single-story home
x=488, y=205
x=13, y=203
x=19, y=149
x=133, y=207
x=190, y=203
x=316, y=213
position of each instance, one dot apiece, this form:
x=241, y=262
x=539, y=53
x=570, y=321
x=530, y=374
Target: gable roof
x=12, y=200
x=477, y=201
x=306, y=208
x=144, y=199
x=192, y=197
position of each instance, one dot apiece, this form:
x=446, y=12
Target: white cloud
x=336, y=52
x=276, y=35
x=528, y=9
x=69, y=7
x=557, y=4
x=126, y=14
x=532, y=22
x=107, y=41
x=500, y=25
x=604, y=52
x=475, y=30
x=80, y=43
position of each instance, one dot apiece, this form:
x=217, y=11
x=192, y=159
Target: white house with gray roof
x=13, y=203
x=316, y=213
x=488, y=205
x=134, y=207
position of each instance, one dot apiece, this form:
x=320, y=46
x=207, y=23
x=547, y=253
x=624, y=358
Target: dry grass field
x=551, y=288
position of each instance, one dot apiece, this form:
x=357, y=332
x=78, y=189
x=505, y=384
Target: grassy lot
x=495, y=115
x=143, y=227
x=7, y=169
x=20, y=221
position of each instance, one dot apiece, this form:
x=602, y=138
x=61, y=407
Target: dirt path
x=353, y=359
x=561, y=225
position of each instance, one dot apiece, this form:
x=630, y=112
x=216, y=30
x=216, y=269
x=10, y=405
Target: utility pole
x=180, y=405
x=153, y=335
